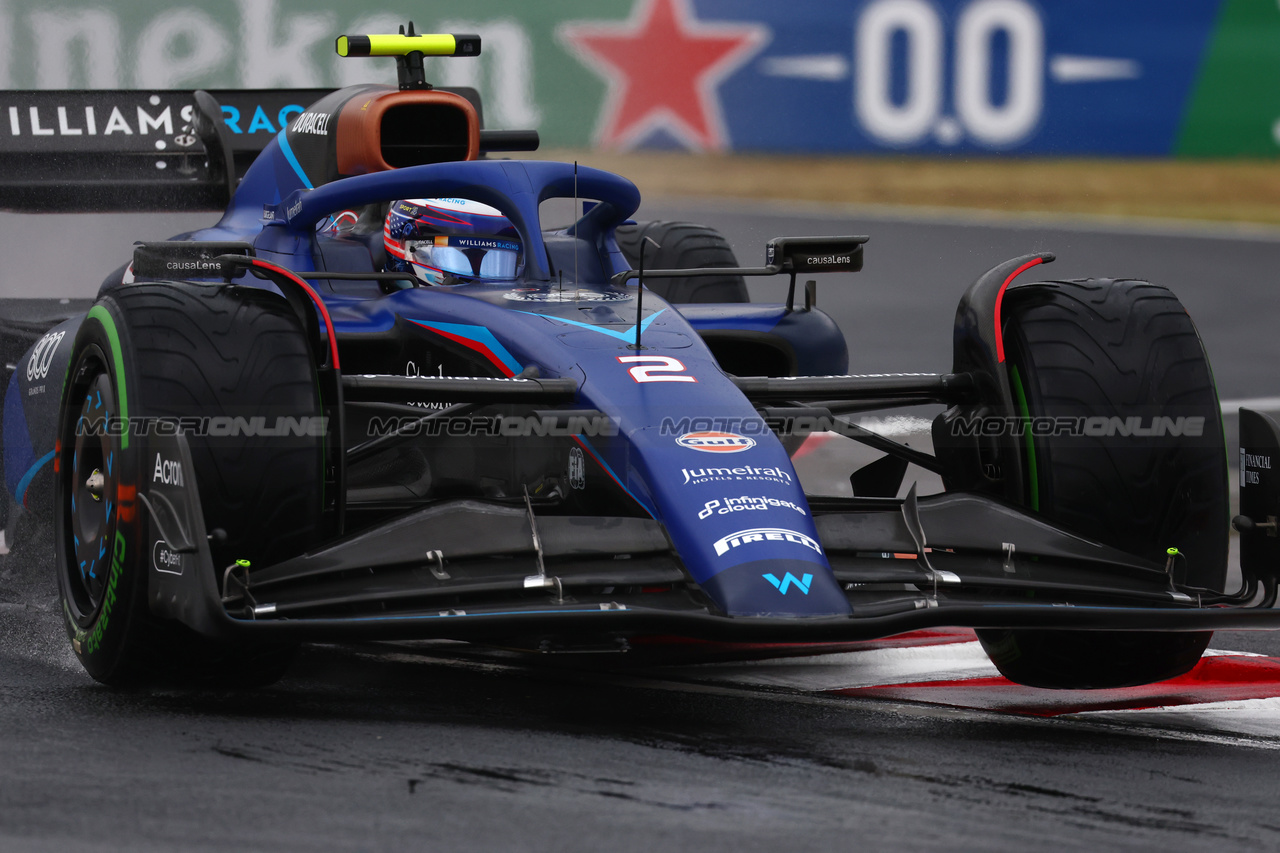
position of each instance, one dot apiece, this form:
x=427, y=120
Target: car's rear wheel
x=1080, y=351
x=684, y=245
x=171, y=351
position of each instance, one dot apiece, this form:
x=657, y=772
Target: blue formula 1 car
x=384, y=398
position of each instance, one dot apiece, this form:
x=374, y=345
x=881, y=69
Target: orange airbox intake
x=392, y=129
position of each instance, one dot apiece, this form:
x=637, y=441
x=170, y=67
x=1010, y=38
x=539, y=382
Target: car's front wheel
x=213, y=356
x=1149, y=472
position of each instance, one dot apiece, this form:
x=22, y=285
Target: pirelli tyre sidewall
x=97, y=525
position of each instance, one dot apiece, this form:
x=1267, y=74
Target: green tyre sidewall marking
x=99, y=641
x=1033, y=478
x=108, y=323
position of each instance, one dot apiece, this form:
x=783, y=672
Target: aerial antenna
x=577, y=282
x=640, y=289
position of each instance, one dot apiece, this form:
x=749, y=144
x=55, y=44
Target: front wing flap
x=602, y=576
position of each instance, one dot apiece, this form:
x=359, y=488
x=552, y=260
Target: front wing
x=479, y=570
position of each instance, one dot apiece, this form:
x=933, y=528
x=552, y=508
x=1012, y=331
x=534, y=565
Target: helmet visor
x=468, y=257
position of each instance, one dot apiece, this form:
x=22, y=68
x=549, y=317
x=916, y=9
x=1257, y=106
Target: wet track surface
x=883, y=747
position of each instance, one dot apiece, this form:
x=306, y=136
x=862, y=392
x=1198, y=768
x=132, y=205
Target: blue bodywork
x=768, y=562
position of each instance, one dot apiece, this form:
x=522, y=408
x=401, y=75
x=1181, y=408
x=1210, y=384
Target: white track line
x=1235, y=721
x=1242, y=717
x=1251, y=723
x=1262, y=404
x=947, y=662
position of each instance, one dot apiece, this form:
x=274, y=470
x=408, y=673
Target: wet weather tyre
x=208, y=354
x=1078, y=660
x=1101, y=349
x=684, y=245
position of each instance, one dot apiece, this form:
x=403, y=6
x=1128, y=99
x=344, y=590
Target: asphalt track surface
x=910, y=744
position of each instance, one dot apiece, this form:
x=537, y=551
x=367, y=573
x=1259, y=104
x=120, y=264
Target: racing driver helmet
x=448, y=241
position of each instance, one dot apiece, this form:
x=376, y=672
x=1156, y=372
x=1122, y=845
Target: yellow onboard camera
x=409, y=48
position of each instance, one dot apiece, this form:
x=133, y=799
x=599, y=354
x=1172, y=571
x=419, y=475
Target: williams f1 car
x=384, y=397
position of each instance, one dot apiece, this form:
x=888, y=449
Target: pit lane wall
x=1029, y=77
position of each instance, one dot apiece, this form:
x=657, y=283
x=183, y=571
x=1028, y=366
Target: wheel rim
x=90, y=488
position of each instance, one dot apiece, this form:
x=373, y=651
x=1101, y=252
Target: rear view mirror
x=815, y=254
x=789, y=255
x=185, y=259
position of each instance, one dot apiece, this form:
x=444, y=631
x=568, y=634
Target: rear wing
x=106, y=150
x=159, y=150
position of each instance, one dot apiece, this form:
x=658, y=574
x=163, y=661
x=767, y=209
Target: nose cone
x=796, y=588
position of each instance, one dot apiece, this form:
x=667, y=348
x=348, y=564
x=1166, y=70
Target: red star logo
x=663, y=67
